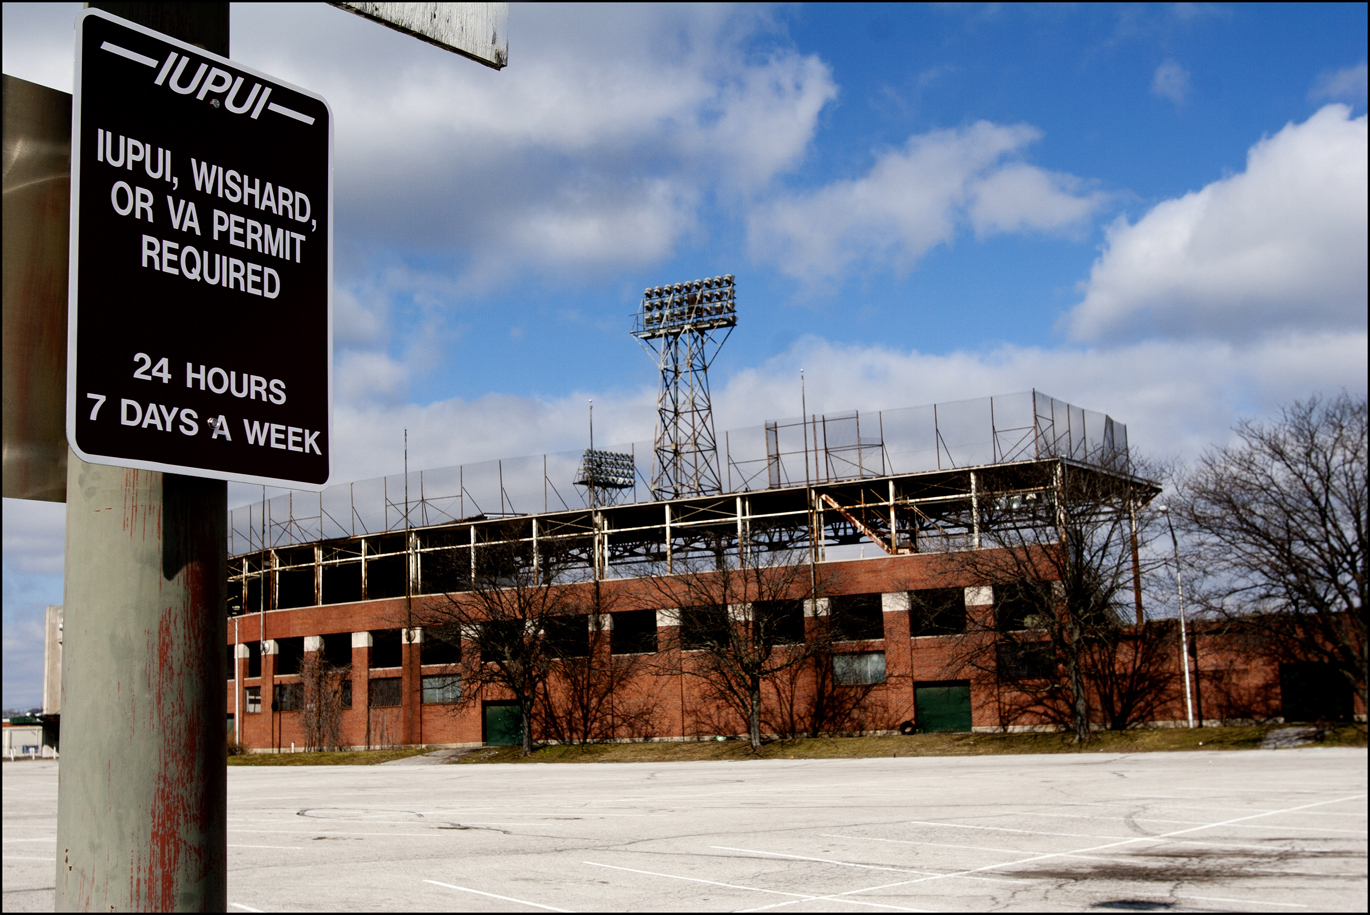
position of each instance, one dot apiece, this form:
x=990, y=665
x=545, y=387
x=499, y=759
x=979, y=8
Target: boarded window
x=634, y=632
x=385, y=648
x=289, y=654
x=254, y=698
x=386, y=691
x=860, y=668
x=703, y=626
x=1023, y=605
x=440, y=646
x=567, y=636
x=855, y=617
x=1025, y=660
x=780, y=622
x=288, y=697
x=441, y=689
x=937, y=611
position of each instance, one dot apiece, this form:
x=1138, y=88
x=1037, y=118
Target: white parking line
x=466, y=889
x=874, y=867
x=245, y=908
x=799, y=897
x=1147, y=819
x=27, y=858
x=1290, y=905
x=1043, y=857
x=294, y=847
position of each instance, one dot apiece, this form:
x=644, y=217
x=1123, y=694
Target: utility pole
x=141, y=810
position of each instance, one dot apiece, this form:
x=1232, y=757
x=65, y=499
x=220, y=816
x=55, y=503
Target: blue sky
x=1158, y=212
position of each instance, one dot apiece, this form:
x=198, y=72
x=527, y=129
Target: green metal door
x=941, y=707
x=503, y=724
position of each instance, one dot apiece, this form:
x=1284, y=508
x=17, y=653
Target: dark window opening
x=295, y=588
x=447, y=568
x=440, y=645
x=289, y=654
x=252, y=596
x=337, y=649
x=501, y=639
x=385, y=648
x=254, y=659
x=937, y=611
x=1025, y=661
x=288, y=697
x=1023, y=605
x=567, y=636
x=856, y=617
x=385, y=573
x=232, y=662
x=703, y=626
x=634, y=632
x=342, y=583
x=386, y=691
x=779, y=622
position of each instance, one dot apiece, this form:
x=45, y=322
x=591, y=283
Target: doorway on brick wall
x=942, y=707
x=503, y=724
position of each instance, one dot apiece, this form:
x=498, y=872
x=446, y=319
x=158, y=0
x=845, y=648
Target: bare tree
x=742, y=620
x=1059, y=551
x=519, y=615
x=322, y=701
x=1277, y=523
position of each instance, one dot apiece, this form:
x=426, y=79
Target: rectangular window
x=701, y=627
x=337, y=649
x=288, y=697
x=386, y=691
x=1023, y=605
x=937, y=611
x=346, y=693
x=289, y=654
x=1025, y=661
x=501, y=639
x=385, y=648
x=858, y=668
x=634, y=632
x=856, y=617
x=440, y=690
x=779, y=622
x=567, y=636
x=440, y=645
x=232, y=661
x=254, y=659
x=254, y=699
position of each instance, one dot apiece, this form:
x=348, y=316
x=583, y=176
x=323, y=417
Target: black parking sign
x=200, y=323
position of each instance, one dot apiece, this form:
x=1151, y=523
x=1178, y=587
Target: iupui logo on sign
x=200, y=328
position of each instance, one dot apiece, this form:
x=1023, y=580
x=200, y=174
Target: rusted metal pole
x=141, y=800
x=141, y=805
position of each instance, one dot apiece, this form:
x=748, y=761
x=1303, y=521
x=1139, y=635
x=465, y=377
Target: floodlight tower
x=684, y=326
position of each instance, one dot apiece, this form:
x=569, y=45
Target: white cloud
x=915, y=198
x=34, y=536
x=591, y=151
x=1279, y=247
x=1345, y=85
x=1171, y=81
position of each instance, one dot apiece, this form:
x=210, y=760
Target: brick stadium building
x=878, y=542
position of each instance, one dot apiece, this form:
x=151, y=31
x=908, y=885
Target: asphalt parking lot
x=1259, y=831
